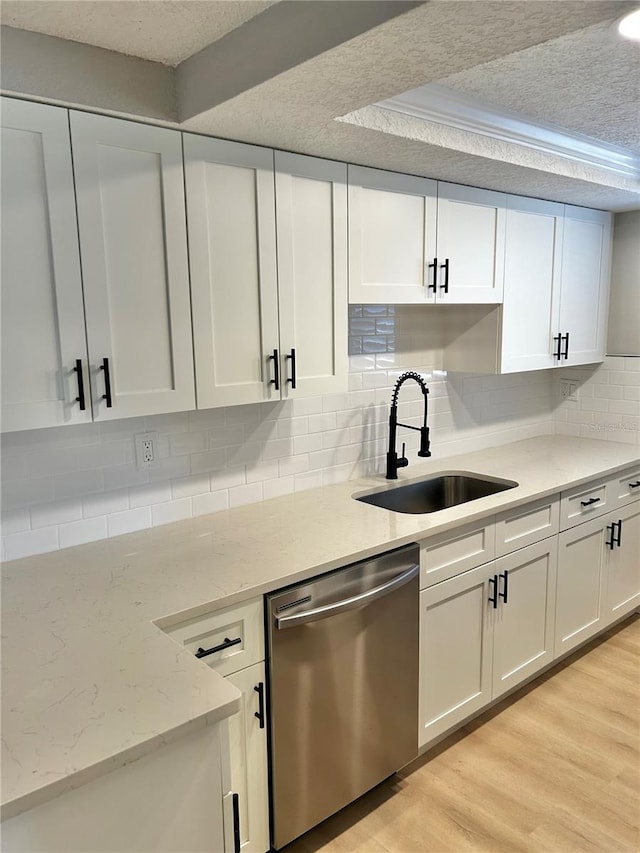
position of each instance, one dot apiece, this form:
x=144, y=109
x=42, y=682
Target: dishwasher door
x=343, y=675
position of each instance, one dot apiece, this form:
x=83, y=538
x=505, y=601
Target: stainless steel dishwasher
x=343, y=687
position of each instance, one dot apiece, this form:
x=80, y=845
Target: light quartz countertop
x=90, y=682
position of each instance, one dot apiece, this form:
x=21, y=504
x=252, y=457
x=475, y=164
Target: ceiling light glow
x=629, y=26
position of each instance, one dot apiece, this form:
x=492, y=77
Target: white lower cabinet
x=598, y=575
x=169, y=801
x=623, y=561
x=482, y=633
x=248, y=748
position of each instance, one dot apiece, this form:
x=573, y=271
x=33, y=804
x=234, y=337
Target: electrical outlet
x=569, y=390
x=146, y=443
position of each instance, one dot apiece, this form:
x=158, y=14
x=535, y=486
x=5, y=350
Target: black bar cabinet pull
x=557, y=341
x=434, y=285
x=565, y=354
x=590, y=501
x=276, y=370
x=493, y=598
x=202, y=653
x=292, y=358
x=80, y=398
x=634, y=485
x=619, y=533
x=235, y=799
x=445, y=267
x=107, y=383
x=504, y=594
x=259, y=714
x=611, y=541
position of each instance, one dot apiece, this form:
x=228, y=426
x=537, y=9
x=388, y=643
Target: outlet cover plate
x=569, y=390
x=146, y=448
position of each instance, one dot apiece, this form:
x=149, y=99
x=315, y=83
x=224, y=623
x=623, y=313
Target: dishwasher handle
x=348, y=603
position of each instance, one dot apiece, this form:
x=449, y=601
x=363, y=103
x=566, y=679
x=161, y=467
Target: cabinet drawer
x=527, y=525
x=455, y=551
x=243, y=624
x=625, y=487
x=585, y=502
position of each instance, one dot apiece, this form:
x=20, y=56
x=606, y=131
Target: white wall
x=69, y=485
x=624, y=307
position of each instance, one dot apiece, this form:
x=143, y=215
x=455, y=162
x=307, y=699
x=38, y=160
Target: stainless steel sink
x=436, y=493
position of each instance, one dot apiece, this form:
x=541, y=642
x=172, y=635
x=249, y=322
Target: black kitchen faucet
x=393, y=462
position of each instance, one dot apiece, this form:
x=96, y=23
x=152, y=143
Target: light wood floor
x=558, y=770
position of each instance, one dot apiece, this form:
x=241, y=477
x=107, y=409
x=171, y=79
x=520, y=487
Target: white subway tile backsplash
x=277, y=488
x=14, y=521
x=186, y=487
x=105, y=503
x=58, y=512
x=211, y=502
x=86, y=485
x=148, y=495
x=171, y=511
x=20, y=493
x=80, y=532
x=248, y=494
x=31, y=542
x=129, y=521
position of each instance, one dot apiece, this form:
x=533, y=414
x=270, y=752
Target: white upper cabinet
x=311, y=210
x=267, y=325
x=531, y=284
x=392, y=237
x=43, y=337
x=584, y=292
x=470, y=245
x=234, y=289
x=414, y=240
x=131, y=219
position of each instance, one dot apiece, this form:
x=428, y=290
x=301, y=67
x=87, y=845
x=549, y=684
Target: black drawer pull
x=434, y=285
x=634, y=485
x=557, y=340
x=566, y=352
x=259, y=714
x=107, y=382
x=493, y=598
x=80, y=398
x=202, y=653
x=616, y=537
x=619, y=534
x=590, y=502
x=504, y=594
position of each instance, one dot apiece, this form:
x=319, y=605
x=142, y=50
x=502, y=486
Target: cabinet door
x=248, y=748
x=523, y=636
x=42, y=314
x=580, y=607
x=232, y=251
x=531, y=284
x=584, y=292
x=623, y=563
x=131, y=219
x=311, y=208
x=455, y=651
x=471, y=231
x=392, y=237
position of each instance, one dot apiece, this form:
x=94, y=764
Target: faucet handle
x=402, y=461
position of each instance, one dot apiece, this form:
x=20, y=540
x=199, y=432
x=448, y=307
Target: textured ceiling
x=166, y=31
x=548, y=59
x=587, y=81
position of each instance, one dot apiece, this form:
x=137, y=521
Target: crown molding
x=439, y=104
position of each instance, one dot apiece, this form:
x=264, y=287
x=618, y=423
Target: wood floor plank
x=553, y=769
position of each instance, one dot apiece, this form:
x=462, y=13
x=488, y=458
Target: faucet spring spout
x=393, y=462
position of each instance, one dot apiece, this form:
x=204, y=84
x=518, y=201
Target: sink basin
x=436, y=493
